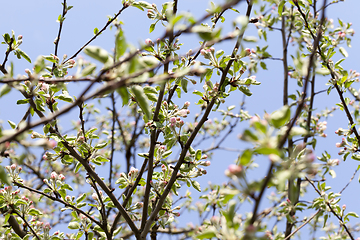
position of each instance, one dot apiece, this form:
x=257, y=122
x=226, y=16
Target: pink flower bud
x=94, y=196
x=52, y=143
x=173, y=120
x=149, y=42
x=61, y=177
x=13, y=167
x=53, y=176
x=235, y=169
x=47, y=226
x=183, y=113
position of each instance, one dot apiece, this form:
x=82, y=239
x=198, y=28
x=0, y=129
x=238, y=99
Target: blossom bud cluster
x=48, y=156
x=321, y=127
x=54, y=176
x=14, y=172
x=208, y=53
x=346, y=147
x=175, y=115
x=160, y=151
x=9, y=195
x=95, y=196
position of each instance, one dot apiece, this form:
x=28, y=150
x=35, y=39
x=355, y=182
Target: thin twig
x=57, y=40
x=332, y=210
x=302, y=225
x=98, y=33
x=60, y=201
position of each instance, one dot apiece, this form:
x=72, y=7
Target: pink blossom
x=61, y=177
x=13, y=167
x=149, y=42
x=47, y=226
x=183, y=113
x=94, y=196
x=53, y=176
x=235, y=169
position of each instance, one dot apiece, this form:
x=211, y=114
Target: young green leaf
x=141, y=99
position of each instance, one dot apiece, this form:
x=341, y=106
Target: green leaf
x=203, y=31
x=196, y=185
x=65, y=97
x=280, y=117
x=96, y=31
x=24, y=55
x=97, y=53
x=149, y=89
x=343, y=52
x=263, y=65
x=4, y=176
x=249, y=136
x=74, y=225
x=207, y=234
x=102, y=159
x=124, y=94
x=198, y=155
x=322, y=71
x=7, y=38
x=296, y=131
x=34, y=212
x=142, y=101
x=120, y=44
x=250, y=39
x=281, y=7
x=88, y=70
x=166, y=154
x=184, y=84
x=152, y=97
x=22, y=101
x=5, y=89
x=7, y=216
x=101, y=145
x=245, y=90
x=81, y=198
x=152, y=27
x=198, y=93
x=352, y=214
x=246, y=157
x=266, y=150
x=12, y=124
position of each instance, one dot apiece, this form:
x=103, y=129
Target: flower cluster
x=8, y=195
x=14, y=172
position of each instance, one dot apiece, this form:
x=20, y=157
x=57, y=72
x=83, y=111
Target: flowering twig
x=332, y=210
x=297, y=113
x=57, y=40
x=302, y=225
x=98, y=33
x=26, y=223
x=60, y=201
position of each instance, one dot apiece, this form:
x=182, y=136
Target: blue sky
x=36, y=21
